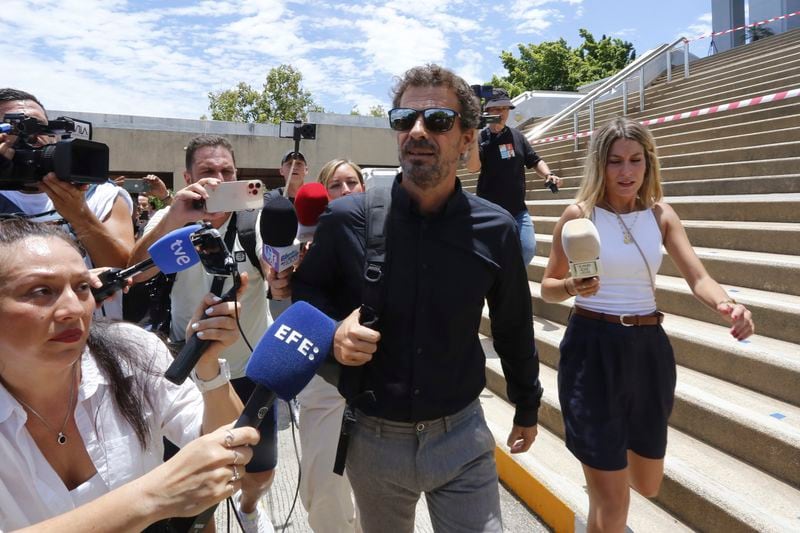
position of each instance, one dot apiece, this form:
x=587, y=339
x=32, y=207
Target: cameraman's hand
x=68, y=199
x=354, y=344
x=7, y=145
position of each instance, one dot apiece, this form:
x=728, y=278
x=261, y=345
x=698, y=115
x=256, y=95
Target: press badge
x=239, y=256
x=506, y=151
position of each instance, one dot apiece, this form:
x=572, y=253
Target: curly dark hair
x=435, y=76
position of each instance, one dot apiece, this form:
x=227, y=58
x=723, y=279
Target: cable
x=299, y=469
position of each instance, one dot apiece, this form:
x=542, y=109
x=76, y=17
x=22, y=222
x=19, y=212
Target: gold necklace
x=627, y=237
x=61, y=437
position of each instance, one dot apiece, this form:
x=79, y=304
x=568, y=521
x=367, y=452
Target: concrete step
x=763, y=364
x=728, y=138
x=559, y=474
x=772, y=272
x=752, y=152
x=748, y=185
x=762, y=117
x=778, y=207
x=704, y=488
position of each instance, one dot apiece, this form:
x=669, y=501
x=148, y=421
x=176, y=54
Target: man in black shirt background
x=501, y=157
x=447, y=251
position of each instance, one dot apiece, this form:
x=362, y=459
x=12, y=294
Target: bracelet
x=566, y=288
x=216, y=382
x=727, y=301
x=167, y=197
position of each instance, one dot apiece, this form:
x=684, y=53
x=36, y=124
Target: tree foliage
x=554, y=65
x=282, y=97
x=374, y=111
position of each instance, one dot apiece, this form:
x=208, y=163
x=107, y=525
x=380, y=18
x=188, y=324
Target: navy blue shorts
x=265, y=453
x=616, y=385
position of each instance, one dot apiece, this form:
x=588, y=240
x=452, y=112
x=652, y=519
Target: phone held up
x=233, y=196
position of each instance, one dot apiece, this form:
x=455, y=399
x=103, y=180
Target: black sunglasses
x=436, y=119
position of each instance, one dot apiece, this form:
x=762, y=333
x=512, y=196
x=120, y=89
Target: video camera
x=72, y=159
x=484, y=92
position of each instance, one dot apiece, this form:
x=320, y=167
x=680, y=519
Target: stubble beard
x=423, y=175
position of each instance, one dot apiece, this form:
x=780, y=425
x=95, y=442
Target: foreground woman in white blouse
x=84, y=407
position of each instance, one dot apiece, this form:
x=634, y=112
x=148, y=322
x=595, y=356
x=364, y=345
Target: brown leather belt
x=626, y=320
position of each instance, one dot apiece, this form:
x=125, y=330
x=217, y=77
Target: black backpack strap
x=246, y=227
x=378, y=202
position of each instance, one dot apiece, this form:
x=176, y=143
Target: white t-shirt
x=100, y=199
x=31, y=491
x=194, y=283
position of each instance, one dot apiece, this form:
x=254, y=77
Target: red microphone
x=309, y=204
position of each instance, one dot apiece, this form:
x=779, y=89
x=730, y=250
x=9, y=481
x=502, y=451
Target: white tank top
x=624, y=284
x=89, y=490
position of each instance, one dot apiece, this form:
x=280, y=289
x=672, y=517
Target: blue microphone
x=286, y=358
x=171, y=253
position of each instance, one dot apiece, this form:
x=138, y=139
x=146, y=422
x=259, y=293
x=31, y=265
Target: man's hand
x=183, y=210
x=354, y=344
x=155, y=187
x=521, y=438
x=7, y=143
x=280, y=283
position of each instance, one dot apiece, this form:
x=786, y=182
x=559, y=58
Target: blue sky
x=161, y=58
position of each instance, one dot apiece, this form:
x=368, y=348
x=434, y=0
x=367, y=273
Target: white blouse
x=31, y=491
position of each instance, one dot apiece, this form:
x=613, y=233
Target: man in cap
x=294, y=171
x=501, y=155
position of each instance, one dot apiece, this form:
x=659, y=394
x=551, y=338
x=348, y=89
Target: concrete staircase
x=733, y=459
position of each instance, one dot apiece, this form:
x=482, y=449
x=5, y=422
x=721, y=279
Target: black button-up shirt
x=439, y=270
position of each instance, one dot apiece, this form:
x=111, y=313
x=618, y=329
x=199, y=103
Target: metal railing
x=636, y=68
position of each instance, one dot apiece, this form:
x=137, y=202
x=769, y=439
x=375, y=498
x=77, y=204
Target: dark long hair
x=111, y=351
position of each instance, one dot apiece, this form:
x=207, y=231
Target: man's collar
x=407, y=204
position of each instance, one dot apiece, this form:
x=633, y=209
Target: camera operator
x=97, y=216
x=500, y=154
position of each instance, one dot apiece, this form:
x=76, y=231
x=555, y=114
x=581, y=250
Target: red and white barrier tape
x=773, y=19
x=747, y=102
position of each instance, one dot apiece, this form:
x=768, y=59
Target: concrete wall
x=727, y=14
x=152, y=144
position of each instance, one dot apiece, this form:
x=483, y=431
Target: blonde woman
x=616, y=383
x=341, y=177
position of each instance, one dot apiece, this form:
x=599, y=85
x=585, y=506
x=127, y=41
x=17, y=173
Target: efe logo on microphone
x=292, y=336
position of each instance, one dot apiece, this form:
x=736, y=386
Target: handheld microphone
x=171, y=253
x=581, y=243
x=310, y=203
x=286, y=358
x=278, y=227
x=216, y=259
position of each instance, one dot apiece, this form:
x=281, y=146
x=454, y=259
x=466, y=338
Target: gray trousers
x=450, y=459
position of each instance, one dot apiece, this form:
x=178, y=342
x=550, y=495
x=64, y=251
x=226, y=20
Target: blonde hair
x=593, y=190
x=329, y=169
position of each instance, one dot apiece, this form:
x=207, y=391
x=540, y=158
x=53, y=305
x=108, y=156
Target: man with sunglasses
x=447, y=250
x=501, y=156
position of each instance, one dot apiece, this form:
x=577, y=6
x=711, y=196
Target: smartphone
x=136, y=185
x=235, y=196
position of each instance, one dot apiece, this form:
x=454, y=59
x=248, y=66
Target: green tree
x=374, y=111
x=282, y=98
x=554, y=65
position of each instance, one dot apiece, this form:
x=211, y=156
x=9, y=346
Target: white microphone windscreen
x=581, y=243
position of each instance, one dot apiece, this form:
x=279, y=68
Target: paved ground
x=516, y=517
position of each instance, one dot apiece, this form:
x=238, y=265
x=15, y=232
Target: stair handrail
x=620, y=78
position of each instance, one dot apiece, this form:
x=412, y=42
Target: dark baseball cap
x=499, y=98
x=291, y=154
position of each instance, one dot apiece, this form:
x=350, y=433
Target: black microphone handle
x=256, y=407
x=115, y=279
x=193, y=350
